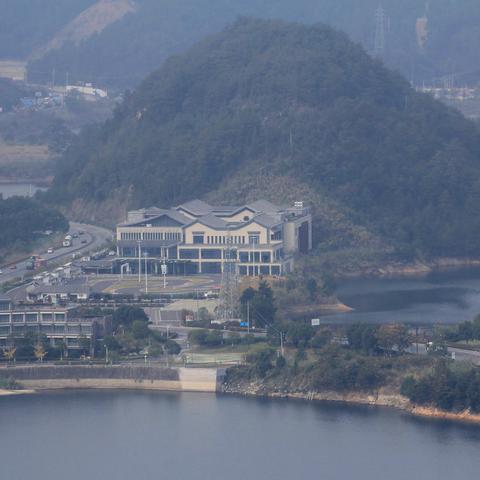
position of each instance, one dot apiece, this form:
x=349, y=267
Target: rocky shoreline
x=381, y=398
x=410, y=269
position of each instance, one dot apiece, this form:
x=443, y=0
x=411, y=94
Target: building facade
x=258, y=238
x=61, y=326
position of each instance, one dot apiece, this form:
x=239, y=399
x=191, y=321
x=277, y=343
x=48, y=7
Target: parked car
x=50, y=250
x=1, y=272
x=83, y=241
x=13, y=267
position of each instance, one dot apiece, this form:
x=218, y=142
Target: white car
x=50, y=250
x=1, y=272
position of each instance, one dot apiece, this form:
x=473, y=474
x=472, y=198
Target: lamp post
x=145, y=254
x=139, y=261
x=164, y=273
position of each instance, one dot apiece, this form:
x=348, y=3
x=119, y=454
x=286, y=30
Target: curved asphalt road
x=95, y=237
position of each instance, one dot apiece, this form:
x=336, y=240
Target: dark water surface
x=139, y=435
x=444, y=297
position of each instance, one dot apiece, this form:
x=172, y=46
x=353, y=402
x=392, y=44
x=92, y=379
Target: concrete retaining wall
x=117, y=376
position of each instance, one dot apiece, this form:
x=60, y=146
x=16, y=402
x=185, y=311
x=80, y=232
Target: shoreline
x=379, y=399
x=412, y=269
x=8, y=393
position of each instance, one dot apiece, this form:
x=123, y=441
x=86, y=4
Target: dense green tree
x=446, y=388
x=392, y=337
x=23, y=220
x=140, y=329
x=362, y=337
x=124, y=317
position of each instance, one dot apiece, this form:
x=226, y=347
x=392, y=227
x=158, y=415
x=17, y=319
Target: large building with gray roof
x=260, y=238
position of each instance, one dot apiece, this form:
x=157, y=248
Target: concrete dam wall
x=47, y=377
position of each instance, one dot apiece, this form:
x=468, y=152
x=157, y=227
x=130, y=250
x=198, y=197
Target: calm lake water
x=139, y=435
x=20, y=189
x=444, y=297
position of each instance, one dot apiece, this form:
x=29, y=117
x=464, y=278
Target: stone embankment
x=48, y=377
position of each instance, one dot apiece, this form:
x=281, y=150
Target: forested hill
x=135, y=45
x=297, y=104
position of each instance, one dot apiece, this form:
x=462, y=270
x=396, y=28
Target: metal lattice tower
x=381, y=25
x=228, y=307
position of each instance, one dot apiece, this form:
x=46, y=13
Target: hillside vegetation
x=10, y=94
x=128, y=49
x=283, y=100
x=23, y=220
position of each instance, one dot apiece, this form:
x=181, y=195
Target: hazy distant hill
x=27, y=24
x=289, y=111
x=135, y=43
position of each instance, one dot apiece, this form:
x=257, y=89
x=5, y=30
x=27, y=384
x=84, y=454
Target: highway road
x=93, y=238
x=458, y=354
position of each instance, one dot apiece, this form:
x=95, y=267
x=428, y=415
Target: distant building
x=60, y=293
x=87, y=90
x=195, y=237
x=60, y=325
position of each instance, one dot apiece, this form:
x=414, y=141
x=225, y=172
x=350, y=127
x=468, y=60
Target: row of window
x=253, y=239
x=212, y=254
x=32, y=317
x=151, y=236
x=254, y=270
x=46, y=329
x=227, y=240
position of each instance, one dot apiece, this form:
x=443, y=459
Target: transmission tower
x=381, y=27
x=228, y=307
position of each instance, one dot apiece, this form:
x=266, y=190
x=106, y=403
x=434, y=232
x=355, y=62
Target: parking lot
x=133, y=285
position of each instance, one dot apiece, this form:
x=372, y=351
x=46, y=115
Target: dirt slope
x=90, y=22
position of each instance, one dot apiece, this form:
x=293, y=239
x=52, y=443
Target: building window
x=253, y=271
x=32, y=317
x=188, y=253
x=198, y=239
x=266, y=257
x=230, y=254
x=276, y=235
x=243, y=257
x=264, y=270
x=211, y=254
x=275, y=270
x=246, y=218
x=255, y=257
x=254, y=238
x=212, y=267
